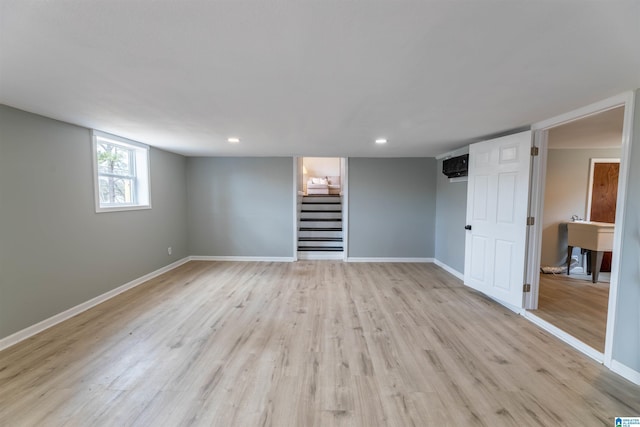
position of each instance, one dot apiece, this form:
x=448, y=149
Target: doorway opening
x=321, y=208
x=577, y=224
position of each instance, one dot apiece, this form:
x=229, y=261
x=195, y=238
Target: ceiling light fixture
x=381, y=141
x=234, y=140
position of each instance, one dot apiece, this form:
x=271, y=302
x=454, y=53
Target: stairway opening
x=320, y=208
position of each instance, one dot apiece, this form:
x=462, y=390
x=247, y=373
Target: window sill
x=123, y=208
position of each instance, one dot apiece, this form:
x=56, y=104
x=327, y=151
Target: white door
x=497, y=205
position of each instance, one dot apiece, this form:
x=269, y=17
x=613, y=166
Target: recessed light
x=234, y=140
x=381, y=141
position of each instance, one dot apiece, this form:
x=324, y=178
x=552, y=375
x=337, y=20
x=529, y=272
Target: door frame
x=344, y=171
x=297, y=183
x=298, y=191
x=540, y=131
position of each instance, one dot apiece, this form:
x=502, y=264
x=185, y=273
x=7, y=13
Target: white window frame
x=141, y=176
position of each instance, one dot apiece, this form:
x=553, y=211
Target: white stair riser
x=325, y=199
x=320, y=255
x=335, y=215
x=323, y=207
x=320, y=244
x=319, y=233
x=321, y=224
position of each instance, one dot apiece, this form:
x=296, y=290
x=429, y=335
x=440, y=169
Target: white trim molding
x=366, y=259
x=563, y=336
x=623, y=179
x=241, y=258
x=625, y=98
x=73, y=311
x=459, y=179
x=625, y=371
x=298, y=193
x=449, y=270
x=344, y=172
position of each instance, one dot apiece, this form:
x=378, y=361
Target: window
x=121, y=173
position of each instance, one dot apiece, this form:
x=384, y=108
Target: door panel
x=497, y=203
x=503, y=264
x=604, y=196
x=604, y=193
x=478, y=258
x=480, y=198
x=506, y=198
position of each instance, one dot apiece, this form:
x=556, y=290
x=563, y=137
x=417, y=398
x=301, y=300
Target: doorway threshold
x=567, y=338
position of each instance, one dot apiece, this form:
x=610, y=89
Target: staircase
x=320, y=227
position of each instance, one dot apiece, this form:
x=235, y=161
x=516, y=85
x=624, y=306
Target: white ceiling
x=314, y=78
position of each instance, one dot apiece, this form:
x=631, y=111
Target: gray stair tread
x=320, y=239
x=321, y=219
x=320, y=248
x=320, y=211
x=321, y=203
x=320, y=229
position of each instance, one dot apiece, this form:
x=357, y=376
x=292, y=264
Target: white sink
x=596, y=236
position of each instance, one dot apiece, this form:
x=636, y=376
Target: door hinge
x=531, y=220
x=534, y=151
x=526, y=287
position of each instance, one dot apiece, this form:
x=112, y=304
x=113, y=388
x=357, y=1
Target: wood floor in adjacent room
x=576, y=306
x=304, y=344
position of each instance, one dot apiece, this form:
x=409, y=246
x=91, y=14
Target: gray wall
x=55, y=250
x=566, y=189
x=240, y=206
x=626, y=344
x=392, y=207
x=451, y=215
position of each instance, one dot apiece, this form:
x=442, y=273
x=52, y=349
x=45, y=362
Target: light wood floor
x=304, y=344
x=576, y=306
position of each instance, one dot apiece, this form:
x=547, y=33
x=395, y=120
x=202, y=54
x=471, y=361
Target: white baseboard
x=73, y=311
x=448, y=269
x=241, y=258
x=562, y=335
x=365, y=259
x=319, y=256
x=625, y=371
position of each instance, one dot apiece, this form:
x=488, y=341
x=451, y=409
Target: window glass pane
x=116, y=190
x=114, y=159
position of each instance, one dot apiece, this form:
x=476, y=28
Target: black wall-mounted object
x=456, y=167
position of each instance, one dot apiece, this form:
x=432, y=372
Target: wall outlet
x=169, y=250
